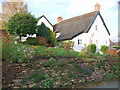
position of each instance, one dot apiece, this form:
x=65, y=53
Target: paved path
x=114, y=84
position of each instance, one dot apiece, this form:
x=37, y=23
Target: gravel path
x=114, y=84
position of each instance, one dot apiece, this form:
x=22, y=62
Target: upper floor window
x=96, y=28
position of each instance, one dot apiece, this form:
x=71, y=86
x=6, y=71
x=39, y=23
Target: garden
x=42, y=62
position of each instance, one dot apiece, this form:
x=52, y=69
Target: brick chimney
x=59, y=19
x=97, y=7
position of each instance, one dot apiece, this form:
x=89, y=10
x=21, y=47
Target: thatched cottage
x=83, y=30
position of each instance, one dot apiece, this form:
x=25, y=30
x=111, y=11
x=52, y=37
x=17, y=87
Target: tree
x=42, y=31
x=22, y=24
x=9, y=8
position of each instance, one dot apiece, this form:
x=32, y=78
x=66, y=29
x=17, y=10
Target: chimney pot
x=59, y=19
x=97, y=7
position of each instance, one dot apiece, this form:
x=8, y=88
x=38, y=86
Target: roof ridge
x=76, y=17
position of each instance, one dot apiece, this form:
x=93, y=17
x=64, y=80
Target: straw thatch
x=73, y=27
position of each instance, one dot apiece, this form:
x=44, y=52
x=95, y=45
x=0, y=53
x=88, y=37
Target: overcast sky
x=71, y=8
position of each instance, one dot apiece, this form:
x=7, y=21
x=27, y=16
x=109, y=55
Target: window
x=106, y=42
x=96, y=27
x=79, y=41
x=96, y=41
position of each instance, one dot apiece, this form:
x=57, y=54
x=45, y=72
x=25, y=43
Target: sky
x=71, y=8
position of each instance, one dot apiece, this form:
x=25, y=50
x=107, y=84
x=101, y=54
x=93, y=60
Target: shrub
x=41, y=40
x=68, y=44
x=85, y=52
x=42, y=31
x=52, y=38
x=103, y=48
x=92, y=48
x=31, y=41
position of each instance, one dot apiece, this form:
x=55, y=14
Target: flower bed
x=64, y=73
x=26, y=53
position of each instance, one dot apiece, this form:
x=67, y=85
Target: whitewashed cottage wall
x=97, y=35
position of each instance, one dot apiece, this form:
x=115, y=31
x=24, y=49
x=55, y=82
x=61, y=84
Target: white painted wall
x=100, y=35
x=45, y=22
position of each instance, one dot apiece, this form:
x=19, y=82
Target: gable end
x=102, y=21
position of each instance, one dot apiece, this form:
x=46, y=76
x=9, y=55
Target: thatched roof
x=72, y=27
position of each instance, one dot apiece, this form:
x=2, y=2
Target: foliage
x=64, y=72
x=92, y=48
x=25, y=53
x=21, y=24
x=66, y=44
x=47, y=84
x=52, y=38
x=42, y=40
x=32, y=41
x=85, y=52
x=117, y=48
x=22, y=53
x=103, y=48
x=42, y=31
x=6, y=50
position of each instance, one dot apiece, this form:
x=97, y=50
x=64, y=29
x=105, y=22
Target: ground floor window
x=79, y=41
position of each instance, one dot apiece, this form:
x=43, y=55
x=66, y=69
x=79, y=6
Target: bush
x=68, y=44
x=88, y=50
x=31, y=41
x=52, y=38
x=103, y=49
x=42, y=31
x=42, y=40
x=92, y=48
